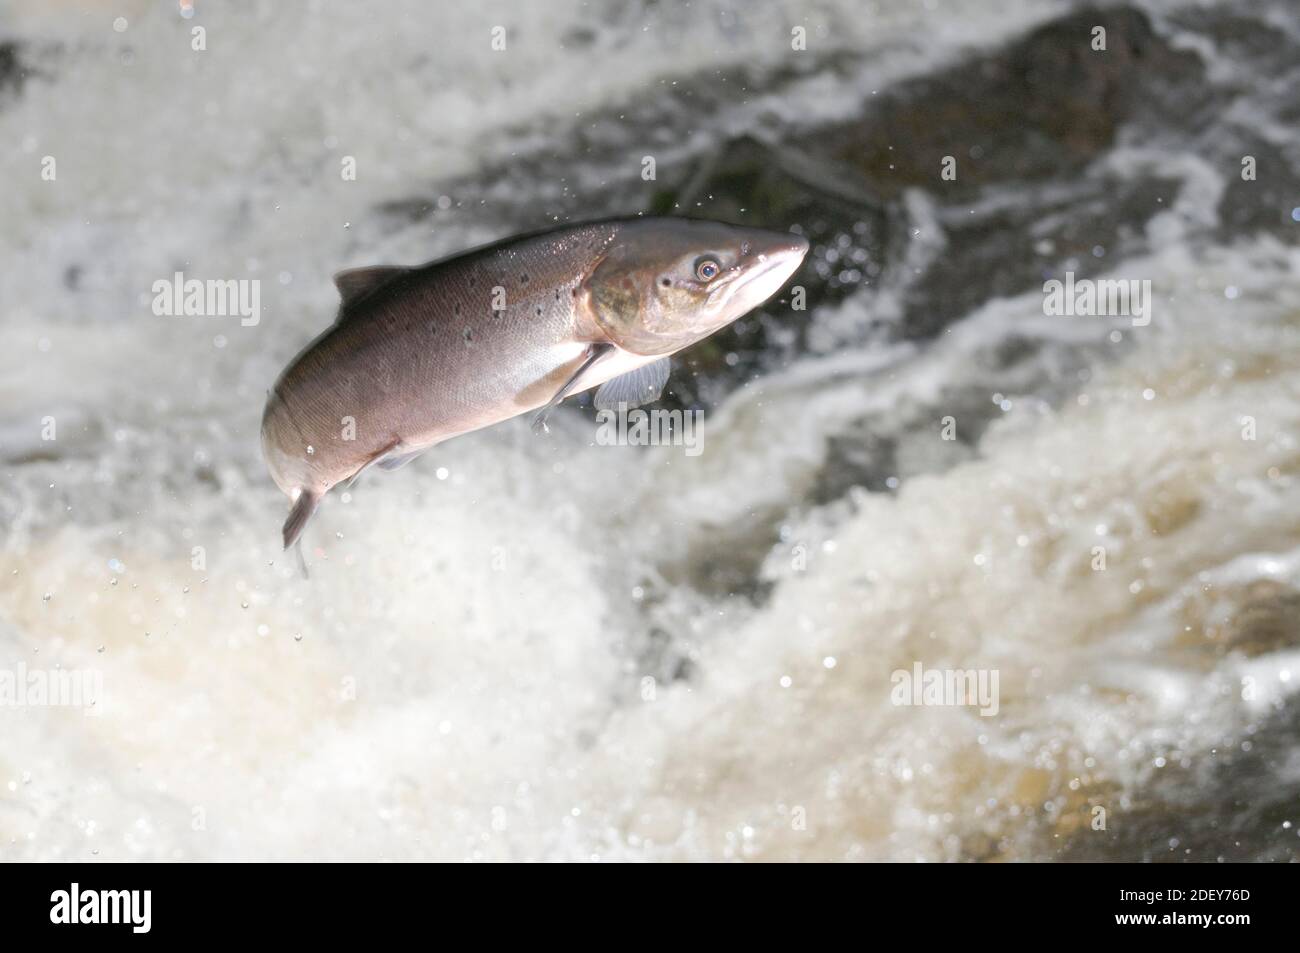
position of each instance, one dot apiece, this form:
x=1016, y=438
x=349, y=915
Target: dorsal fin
x=356, y=283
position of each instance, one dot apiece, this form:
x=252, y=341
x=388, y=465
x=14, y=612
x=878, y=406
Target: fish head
x=664, y=284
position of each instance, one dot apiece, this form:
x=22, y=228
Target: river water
x=525, y=647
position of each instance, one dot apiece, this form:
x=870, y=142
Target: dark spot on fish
x=469, y=335
x=575, y=292
x=523, y=279
x=72, y=277
x=557, y=294
x=539, y=310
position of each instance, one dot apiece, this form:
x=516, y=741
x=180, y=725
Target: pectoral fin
x=594, y=355
x=641, y=386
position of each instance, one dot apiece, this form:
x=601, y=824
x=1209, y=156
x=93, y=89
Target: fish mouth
x=764, y=273
x=784, y=257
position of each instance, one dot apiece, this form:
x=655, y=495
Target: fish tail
x=302, y=510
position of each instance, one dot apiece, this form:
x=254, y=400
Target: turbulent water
x=527, y=647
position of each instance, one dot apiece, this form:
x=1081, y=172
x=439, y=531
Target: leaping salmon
x=422, y=354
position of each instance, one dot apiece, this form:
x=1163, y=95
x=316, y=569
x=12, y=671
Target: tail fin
x=298, y=516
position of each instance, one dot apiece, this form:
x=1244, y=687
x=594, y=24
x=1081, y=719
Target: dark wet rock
x=1238, y=36
x=1238, y=808
x=1254, y=618
x=728, y=563
x=860, y=456
x=660, y=658
x=1249, y=813
x=1264, y=204
x=1043, y=108
x=14, y=71
x=10, y=72
x=1268, y=621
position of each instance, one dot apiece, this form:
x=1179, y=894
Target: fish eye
x=706, y=269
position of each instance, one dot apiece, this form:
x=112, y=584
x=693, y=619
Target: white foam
x=470, y=681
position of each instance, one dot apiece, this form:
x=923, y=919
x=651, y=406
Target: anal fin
x=395, y=461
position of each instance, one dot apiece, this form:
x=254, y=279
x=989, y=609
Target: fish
x=419, y=355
